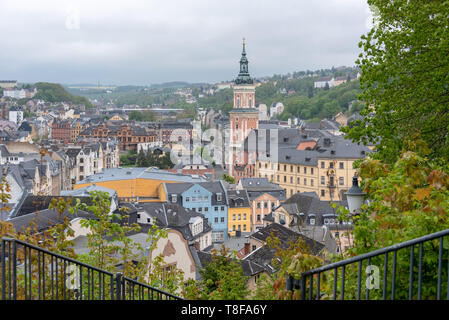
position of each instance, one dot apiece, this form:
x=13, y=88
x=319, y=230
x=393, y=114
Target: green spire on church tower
x=243, y=77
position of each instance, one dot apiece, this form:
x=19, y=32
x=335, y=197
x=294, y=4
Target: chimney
x=197, y=246
x=247, y=249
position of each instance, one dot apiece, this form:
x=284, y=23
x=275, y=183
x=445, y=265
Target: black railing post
x=118, y=286
x=14, y=271
x=289, y=282
x=3, y=270
x=303, y=287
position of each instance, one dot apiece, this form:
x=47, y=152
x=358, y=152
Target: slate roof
x=34, y=203
x=139, y=173
x=286, y=235
x=249, y=267
x=45, y=219
x=175, y=217
x=309, y=205
x=238, y=198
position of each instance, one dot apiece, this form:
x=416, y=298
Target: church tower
x=244, y=116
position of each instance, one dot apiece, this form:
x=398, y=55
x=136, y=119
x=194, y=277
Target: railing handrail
x=378, y=252
x=56, y=255
x=150, y=287
x=113, y=276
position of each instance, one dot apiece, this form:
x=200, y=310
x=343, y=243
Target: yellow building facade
x=239, y=211
x=136, y=184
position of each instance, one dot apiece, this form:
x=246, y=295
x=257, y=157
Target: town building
x=263, y=196
x=207, y=198
x=244, y=116
x=239, y=212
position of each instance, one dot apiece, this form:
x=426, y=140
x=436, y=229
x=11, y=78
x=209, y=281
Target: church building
x=243, y=118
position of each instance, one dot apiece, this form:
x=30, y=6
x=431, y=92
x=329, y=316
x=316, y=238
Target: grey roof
x=309, y=205
x=238, y=198
x=286, y=236
x=85, y=192
x=140, y=173
x=45, y=219
x=175, y=217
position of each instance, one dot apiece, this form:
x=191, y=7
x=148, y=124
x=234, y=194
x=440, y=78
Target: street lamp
x=355, y=197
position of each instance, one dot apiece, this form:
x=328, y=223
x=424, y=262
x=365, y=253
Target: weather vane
x=243, y=40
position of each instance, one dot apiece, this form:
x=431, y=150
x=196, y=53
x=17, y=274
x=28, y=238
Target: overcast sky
x=154, y=41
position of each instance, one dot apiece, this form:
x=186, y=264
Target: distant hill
x=173, y=84
x=54, y=92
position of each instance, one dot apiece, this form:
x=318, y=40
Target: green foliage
x=147, y=115
x=228, y=178
x=53, y=92
x=405, y=71
x=222, y=278
x=408, y=199
x=154, y=159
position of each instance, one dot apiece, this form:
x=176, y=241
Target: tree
x=141, y=160
x=229, y=179
x=222, y=278
x=408, y=199
x=404, y=75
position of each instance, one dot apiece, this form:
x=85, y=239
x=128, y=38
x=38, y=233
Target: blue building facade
x=207, y=198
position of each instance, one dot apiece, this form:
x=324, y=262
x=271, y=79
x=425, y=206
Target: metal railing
x=29, y=272
x=412, y=270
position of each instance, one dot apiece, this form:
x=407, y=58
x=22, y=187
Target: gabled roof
x=286, y=236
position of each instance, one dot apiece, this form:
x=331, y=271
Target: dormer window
x=218, y=196
x=173, y=198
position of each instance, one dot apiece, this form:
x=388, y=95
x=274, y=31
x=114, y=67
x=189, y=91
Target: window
x=216, y=220
x=244, y=227
x=291, y=179
x=299, y=169
x=187, y=199
x=200, y=209
x=285, y=178
x=278, y=178
x=342, y=165
x=253, y=248
x=341, y=181
x=222, y=219
x=311, y=170
x=244, y=216
x=233, y=217
x=322, y=164
x=311, y=182
x=331, y=165
x=239, y=227
x=222, y=208
x=258, y=205
x=216, y=209
x=258, y=217
x=240, y=216
x=285, y=167
x=305, y=170
x=206, y=209
x=305, y=181
x=173, y=198
x=218, y=196
x=299, y=180
x=233, y=227
x=312, y=221
x=265, y=205
x=323, y=192
x=291, y=168
x=322, y=179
